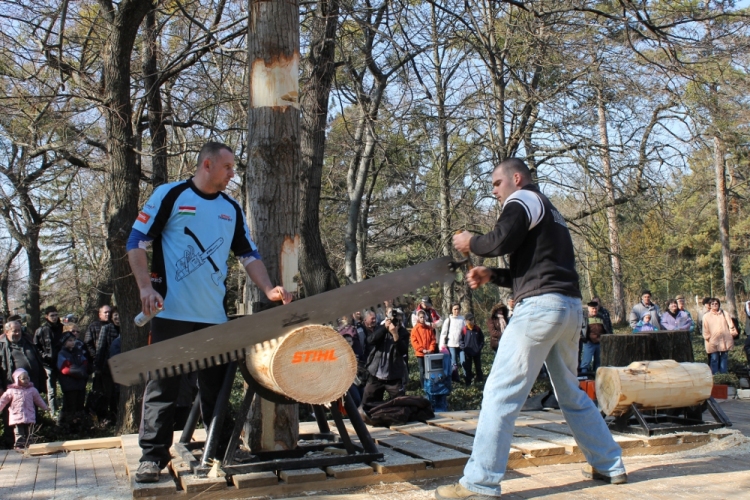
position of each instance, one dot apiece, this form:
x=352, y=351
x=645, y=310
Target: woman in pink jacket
x=719, y=333
x=21, y=396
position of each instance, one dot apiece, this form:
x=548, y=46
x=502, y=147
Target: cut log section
x=652, y=385
x=312, y=364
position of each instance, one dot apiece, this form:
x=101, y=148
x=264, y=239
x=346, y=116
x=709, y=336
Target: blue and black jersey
x=192, y=234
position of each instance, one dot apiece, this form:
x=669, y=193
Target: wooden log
x=652, y=385
x=674, y=344
x=621, y=350
x=312, y=364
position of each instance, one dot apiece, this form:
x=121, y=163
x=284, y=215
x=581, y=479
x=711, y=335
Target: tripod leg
x=220, y=411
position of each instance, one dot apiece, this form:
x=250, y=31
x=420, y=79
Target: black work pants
x=375, y=390
x=160, y=396
x=476, y=361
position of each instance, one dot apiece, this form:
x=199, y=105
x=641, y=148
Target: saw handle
x=453, y=266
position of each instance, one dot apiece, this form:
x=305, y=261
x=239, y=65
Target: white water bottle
x=142, y=319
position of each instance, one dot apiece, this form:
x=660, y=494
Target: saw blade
x=227, y=342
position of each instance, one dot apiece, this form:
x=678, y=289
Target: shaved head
x=210, y=149
x=511, y=166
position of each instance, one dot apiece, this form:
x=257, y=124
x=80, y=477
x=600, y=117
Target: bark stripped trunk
x=123, y=176
x=273, y=180
x=156, y=126
x=730, y=304
x=315, y=271
x=618, y=292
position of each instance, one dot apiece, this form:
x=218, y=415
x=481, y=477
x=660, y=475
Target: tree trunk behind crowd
x=618, y=291
x=272, y=185
x=123, y=174
x=315, y=271
x=730, y=304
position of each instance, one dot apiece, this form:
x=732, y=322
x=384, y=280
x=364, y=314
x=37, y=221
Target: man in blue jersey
x=546, y=325
x=192, y=226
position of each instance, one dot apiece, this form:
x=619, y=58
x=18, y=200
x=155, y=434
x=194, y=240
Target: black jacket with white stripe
x=534, y=234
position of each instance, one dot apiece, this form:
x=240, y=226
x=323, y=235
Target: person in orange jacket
x=423, y=341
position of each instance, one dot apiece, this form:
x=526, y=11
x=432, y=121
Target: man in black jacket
x=546, y=326
x=48, y=341
x=385, y=364
x=92, y=332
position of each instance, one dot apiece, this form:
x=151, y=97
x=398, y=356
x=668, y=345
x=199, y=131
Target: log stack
x=312, y=364
x=652, y=385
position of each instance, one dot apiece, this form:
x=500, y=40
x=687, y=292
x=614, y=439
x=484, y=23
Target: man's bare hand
x=151, y=301
x=279, y=293
x=478, y=276
x=461, y=242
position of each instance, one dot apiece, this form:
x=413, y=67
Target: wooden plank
x=302, y=476
x=457, y=415
x=65, y=480
x=10, y=469
x=255, y=480
x=3, y=454
x=437, y=456
x=23, y=487
x=454, y=440
x=85, y=474
x=551, y=416
x=395, y=462
x=105, y=471
x=695, y=438
x=44, y=487
x=468, y=428
x=117, y=457
x=566, y=442
x=350, y=470
x=194, y=484
x=565, y=458
x=663, y=440
x=625, y=441
x=536, y=448
x=75, y=445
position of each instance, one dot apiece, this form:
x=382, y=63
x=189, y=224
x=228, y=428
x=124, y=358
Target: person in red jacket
x=423, y=341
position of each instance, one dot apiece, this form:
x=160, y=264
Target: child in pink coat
x=21, y=396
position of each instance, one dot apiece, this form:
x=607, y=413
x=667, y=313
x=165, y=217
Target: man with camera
x=385, y=364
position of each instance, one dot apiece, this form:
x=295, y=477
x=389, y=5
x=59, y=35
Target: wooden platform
x=437, y=449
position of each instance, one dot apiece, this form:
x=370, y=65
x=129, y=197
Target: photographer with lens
x=385, y=364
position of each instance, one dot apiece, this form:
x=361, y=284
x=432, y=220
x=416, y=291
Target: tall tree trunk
x=35, y=267
x=5, y=278
x=442, y=162
x=273, y=176
x=315, y=271
x=123, y=175
x=730, y=304
x=156, y=126
x=618, y=291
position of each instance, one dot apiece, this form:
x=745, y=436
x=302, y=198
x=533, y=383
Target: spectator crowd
x=62, y=354
x=58, y=355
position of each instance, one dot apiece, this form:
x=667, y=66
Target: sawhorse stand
x=274, y=460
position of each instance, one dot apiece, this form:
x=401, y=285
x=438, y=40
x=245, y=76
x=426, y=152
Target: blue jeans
x=591, y=353
x=719, y=362
x=457, y=357
x=544, y=328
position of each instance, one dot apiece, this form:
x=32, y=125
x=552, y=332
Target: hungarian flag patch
x=186, y=210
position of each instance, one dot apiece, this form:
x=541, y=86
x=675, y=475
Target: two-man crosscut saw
x=229, y=341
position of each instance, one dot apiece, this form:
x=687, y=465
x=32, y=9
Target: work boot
x=454, y=491
x=590, y=473
x=148, y=472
